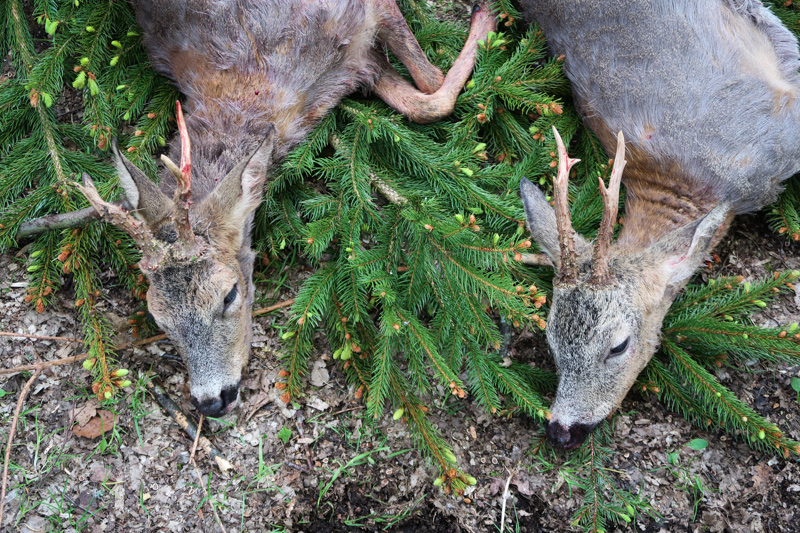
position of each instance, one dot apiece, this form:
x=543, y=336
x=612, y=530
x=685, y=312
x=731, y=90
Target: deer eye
x=230, y=297
x=621, y=347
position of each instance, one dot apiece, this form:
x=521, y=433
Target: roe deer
x=257, y=75
x=707, y=94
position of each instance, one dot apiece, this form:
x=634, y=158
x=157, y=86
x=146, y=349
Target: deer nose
x=209, y=406
x=220, y=405
x=557, y=434
x=565, y=437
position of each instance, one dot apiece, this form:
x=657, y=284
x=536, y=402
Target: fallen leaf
x=254, y=404
x=96, y=425
x=762, y=474
x=317, y=404
x=319, y=374
x=86, y=412
x=97, y=473
x=522, y=484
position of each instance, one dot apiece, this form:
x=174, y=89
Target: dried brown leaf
x=97, y=425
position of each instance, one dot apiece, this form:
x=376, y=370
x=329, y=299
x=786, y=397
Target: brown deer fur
x=707, y=95
x=257, y=76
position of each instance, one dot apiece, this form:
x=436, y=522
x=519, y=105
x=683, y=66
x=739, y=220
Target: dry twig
x=156, y=388
x=511, y=474
x=38, y=337
x=279, y=305
x=11, y=433
x=200, y=476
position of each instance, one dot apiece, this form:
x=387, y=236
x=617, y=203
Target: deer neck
x=223, y=133
x=660, y=198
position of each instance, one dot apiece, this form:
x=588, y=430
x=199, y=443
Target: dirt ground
x=336, y=472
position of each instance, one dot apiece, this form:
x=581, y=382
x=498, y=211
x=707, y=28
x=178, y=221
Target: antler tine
x=568, y=273
x=600, y=260
x=116, y=215
x=183, y=176
x=186, y=152
x=170, y=164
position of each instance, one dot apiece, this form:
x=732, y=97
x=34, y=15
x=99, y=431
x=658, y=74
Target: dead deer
x=257, y=76
x=707, y=95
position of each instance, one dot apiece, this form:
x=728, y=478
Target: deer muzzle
x=565, y=437
x=217, y=405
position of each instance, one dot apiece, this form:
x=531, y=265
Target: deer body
x=257, y=76
x=707, y=95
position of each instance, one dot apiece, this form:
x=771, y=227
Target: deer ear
x=226, y=210
x=683, y=249
x=542, y=223
x=541, y=220
x=141, y=194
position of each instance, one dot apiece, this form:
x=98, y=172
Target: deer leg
x=416, y=104
x=397, y=36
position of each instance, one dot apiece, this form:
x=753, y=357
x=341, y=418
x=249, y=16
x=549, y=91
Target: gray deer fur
x=707, y=95
x=257, y=76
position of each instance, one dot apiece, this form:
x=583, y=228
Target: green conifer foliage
x=416, y=231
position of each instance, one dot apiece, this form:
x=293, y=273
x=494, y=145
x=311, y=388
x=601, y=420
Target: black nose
x=568, y=438
x=217, y=406
x=209, y=407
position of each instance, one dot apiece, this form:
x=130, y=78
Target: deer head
x=198, y=261
x=608, y=301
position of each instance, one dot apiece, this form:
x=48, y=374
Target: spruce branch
x=727, y=411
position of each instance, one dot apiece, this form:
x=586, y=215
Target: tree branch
x=73, y=219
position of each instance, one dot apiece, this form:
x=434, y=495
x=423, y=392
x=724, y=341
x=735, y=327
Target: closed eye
x=620, y=348
x=230, y=297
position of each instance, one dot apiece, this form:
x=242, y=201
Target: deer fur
x=257, y=76
x=707, y=94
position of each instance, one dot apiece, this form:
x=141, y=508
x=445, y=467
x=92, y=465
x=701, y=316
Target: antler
x=600, y=259
x=152, y=250
x=568, y=273
x=183, y=177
